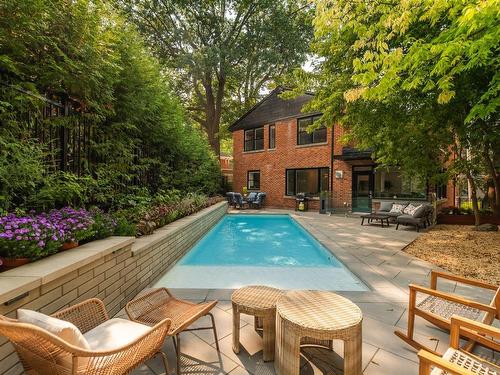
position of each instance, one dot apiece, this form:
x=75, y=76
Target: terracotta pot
x=69, y=245
x=9, y=263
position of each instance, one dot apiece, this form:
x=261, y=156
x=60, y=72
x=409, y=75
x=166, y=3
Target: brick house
x=273, y=152
x=226, y=168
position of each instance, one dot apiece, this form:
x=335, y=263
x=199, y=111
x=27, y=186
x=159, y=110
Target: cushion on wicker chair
x=446, y=309
x=115, y=333
x=467, y=361
x=64, y=330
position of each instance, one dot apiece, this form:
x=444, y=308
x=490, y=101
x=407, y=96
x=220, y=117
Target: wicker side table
x=318, y=315
x=259, y=301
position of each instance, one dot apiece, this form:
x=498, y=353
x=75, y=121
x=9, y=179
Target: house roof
x=270, y=109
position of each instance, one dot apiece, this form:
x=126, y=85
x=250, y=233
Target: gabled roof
x=270, y=109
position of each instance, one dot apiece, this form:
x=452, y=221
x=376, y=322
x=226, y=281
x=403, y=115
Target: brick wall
x=115, y=278
x=273, y=163
x=288, y=155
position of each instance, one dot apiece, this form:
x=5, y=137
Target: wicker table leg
x=287, y=361
x=353, y=354
x=268, y=336
x=236, y=330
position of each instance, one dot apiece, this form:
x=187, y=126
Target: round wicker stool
x=318, y=315
x=259, y=301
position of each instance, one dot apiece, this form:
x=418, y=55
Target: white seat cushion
x=114, y=333
x=65, y=330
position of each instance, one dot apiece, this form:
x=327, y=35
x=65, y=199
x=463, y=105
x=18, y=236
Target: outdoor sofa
x=406, y=213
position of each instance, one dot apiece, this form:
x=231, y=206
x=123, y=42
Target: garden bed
x=466, y=219
x=461, y=250
x=29, y=237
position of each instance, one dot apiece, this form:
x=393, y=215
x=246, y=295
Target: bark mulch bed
x=461, y=250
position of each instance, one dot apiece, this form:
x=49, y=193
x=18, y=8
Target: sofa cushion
x=64, y=330
x=385, y=206
x=398, y=208
x=410, y=209
x=420, y=211
x=115, y=333
x=408, y=219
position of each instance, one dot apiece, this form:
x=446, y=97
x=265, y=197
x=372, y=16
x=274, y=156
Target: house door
x=362, y=189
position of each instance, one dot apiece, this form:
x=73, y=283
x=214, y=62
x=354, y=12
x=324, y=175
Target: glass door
x=362, y=191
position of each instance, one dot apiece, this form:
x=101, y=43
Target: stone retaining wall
x=114, y=270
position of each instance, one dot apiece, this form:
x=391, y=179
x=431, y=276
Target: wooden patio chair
x=157, y=304
x=458, y=362
x=438, y=307
x=44, y=353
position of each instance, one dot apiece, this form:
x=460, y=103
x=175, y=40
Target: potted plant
x=26, y=238
x=76, y=225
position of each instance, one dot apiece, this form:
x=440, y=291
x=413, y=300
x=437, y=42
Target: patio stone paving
x=373, y=254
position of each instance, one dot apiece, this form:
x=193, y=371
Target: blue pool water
x=259, y=240
x=272, y=250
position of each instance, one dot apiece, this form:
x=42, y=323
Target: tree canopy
x=85, y=52
x=223, y=53
x=415, y=80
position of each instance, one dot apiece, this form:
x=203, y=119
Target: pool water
x=273, y=250
x=259, y=240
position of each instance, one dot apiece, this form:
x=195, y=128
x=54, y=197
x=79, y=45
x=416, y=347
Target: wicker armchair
x=456, y=361
x=438, y=307
x=158, y=303
x=43, y=353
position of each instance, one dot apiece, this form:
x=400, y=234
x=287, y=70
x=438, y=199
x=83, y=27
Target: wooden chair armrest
x=476, y=331
x=460, y=279
x=428, y=359
x=85, y=315
x=452, y=298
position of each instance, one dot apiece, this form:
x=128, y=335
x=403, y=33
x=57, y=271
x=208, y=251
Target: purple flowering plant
x=36, y=236
x=76, y=224
x=29, y=236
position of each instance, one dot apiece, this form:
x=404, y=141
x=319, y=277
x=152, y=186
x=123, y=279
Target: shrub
x=104, y=224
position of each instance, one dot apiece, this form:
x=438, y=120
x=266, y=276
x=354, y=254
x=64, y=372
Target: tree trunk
x=213, y=111
x=496, y=184
x=473, y=195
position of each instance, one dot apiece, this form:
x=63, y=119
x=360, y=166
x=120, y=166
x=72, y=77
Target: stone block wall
x=113, y=270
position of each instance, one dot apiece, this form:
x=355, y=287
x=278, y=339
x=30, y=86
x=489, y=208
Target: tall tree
x=223, y=52
x=416, y=79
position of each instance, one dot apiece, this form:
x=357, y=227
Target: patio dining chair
x=230, y=198
x=259, y=201
x=438, y=307
x=82, y=340
x=239, y=201
x=455, y=360
x=158, y=304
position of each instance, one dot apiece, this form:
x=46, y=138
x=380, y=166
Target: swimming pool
x=247, y=249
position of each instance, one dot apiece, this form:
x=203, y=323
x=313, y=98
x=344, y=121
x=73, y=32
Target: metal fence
x=67, y=135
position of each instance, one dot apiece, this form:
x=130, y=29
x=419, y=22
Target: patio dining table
x=318, y=315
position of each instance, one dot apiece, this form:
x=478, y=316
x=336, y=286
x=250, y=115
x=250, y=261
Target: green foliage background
x=84, y=50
